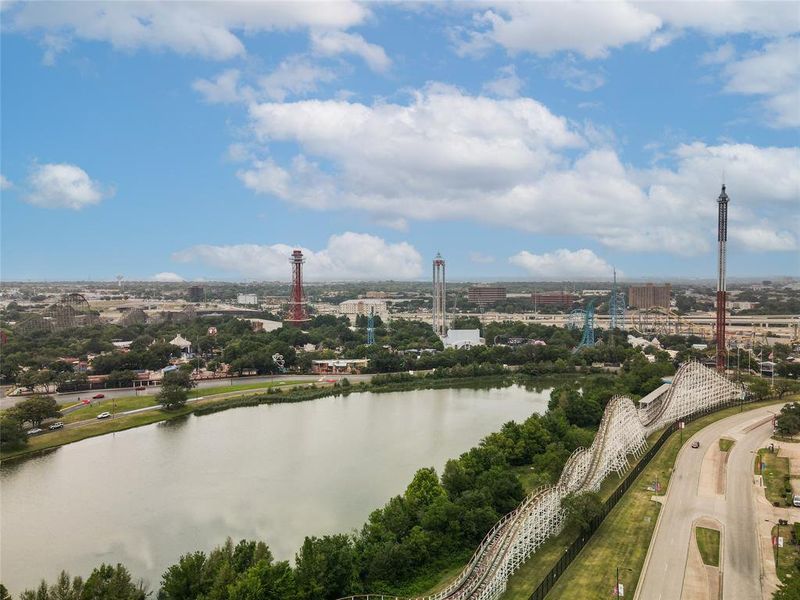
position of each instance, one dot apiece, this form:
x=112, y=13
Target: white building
x=363, y=306
x=463, y=338
x=248, y=299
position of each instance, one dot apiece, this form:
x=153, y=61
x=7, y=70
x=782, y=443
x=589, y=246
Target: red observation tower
x=298, y=313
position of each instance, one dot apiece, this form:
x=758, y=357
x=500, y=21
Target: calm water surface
x=276, y=473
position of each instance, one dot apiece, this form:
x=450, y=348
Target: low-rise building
x=649, y=295
x=363, y=307
x=247, y=299
x=463, y=338
x=339, y=366
x=486, y=294
x=553, y=298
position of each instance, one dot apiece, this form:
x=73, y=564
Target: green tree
x=783, y=387
x=179, y=377
x=36, y=409
x=788, y=421
x=760, y=389
x=325, y=568
x=112, y=583
x=12, y=435
x=172, y=396
x=582, y=509
x=185, y=580
x=264, y=581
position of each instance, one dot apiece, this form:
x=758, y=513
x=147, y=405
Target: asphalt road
x=665, y=565
x=71, y=398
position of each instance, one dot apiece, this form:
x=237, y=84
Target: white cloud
x=333, y=43
x=719, y=55
x=296, y=75
x=774, y=73
x=576, y=77
x=588, y=28
x=223, y=89
x=63, y=186
x=764, y=238
x=506, y=85
x=5, y=183
x=592, y=29
x=512, y=163
x=167, y=277
x=206, y=29
x=563, y=264
x=351, y=256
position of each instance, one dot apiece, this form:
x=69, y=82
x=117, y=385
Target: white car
x=34, y=431
x=796, y=501
x=55, y=426
x=104, y=415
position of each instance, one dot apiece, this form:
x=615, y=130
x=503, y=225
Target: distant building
x=463, y=338
x=196, y=293
x=585, y=293
x=486, y=294
x=553, y=298
x=339, y=366
x=263, y=324
x=649, y=295
x=362, y=307
x=376, y=294
x=249, y=299
x=182, y=343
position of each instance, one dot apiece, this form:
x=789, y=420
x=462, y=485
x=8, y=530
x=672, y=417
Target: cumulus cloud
x=588, y=28
x=223, y=89
x=774, y=74
x=764, y=238
x=206, y=29
x=5, y=183
x=296, y=75
x=63, y=186
x=167, y=277
x=333, y=43
x=506, y=85
x=563, y=264
x=510, y=162
x=349, y=256
x=592, y=29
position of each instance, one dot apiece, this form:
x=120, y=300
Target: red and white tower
x=298, y=313
x=722, y=238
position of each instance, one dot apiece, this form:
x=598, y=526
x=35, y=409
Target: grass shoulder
x=775, y=471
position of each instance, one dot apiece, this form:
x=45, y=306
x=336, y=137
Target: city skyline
x=372, y=136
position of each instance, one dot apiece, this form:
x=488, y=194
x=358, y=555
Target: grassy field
x=725, y=444
x=708, y=544
x=776, y=475
x=786, y=558
x=625, y=534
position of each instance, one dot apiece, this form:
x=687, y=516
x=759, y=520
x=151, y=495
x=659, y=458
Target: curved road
x=688, y=500
x=72, y=397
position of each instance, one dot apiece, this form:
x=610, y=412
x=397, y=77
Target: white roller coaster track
x=623, y=432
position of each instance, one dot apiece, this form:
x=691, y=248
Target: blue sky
x=527, y=141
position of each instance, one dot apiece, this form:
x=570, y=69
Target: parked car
x=695, y=444
x=796, y=501
x=104, y=415
x=58, y=425
x=34, y=431
x=98, y=396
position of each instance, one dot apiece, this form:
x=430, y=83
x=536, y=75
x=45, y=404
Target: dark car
x=98, y=396
x=695, y=444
